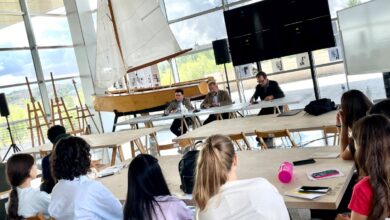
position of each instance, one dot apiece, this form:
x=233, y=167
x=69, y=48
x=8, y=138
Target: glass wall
x=50, y=29
x=196, y=24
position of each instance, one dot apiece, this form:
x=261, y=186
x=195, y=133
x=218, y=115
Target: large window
x=180, y=8
x=12, y=24
x=15, y=65
x=56, y=54
x=61, y=62
x=51, y=31
x=196, y=26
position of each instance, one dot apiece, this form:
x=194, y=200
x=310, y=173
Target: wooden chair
x=180, y=145
x=333, y=132
x=44, y=153
x=241, y=136
x=277, y=110
x=40, y=216
x=274, y=134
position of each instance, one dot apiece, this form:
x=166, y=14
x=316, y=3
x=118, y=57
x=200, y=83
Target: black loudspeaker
x=221, y=51
x=3, y=105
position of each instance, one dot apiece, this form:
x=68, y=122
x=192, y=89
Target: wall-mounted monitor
x=275, y=28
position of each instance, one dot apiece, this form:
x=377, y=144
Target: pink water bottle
x=285, y=172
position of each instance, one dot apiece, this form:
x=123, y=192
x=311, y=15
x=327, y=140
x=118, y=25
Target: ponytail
x=18, y=170
x=13, y=205
x=214, y=164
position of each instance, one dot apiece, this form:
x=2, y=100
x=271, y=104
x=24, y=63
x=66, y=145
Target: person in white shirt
x=24, y=201
x=75, y=196
x=219, y=195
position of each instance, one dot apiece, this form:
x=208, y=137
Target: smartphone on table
x=314, y=189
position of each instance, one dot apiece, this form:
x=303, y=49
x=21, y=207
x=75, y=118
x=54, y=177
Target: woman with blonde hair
x=219, y=195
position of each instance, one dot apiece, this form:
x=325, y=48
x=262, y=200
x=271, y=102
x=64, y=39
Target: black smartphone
x=303, y=162
x=314, y=189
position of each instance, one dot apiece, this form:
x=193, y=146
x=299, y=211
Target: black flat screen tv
x=274, y=28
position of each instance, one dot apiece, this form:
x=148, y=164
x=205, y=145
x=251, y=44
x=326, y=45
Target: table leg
x=132, y=149
x=113, y=157
x=121, y=155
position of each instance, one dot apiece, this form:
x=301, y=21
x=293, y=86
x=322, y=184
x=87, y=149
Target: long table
x=216, y=110
x=300, y=122
x=264, y=163
x=110, y=140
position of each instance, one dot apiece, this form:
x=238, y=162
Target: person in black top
x=267, y=90
x=54, y=134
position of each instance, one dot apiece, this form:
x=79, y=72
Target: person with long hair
x=371, y=195
x=354, y=106
x=75, y=196
x=382, y=107
x=148, y=196
x=219, y=195
x=24, y=201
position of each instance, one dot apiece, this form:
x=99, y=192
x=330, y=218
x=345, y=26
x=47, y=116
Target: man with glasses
x=267, y=90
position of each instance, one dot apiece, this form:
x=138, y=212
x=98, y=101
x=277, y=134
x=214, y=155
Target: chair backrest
x=332, y=131
x=181, y=144
x=43, y=153
x=40, y=216
x=274, y=134
x=237, y=137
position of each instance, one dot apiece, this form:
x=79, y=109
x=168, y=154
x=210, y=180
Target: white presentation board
x=365, y=33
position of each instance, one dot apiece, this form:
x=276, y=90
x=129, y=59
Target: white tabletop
x=216, y=110
x=264, y=163
x=300, y=122
x=102, y=140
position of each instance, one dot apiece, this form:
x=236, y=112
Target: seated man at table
x=215, y=98
x=54, y=134
x=267, y=90
x=176, y=106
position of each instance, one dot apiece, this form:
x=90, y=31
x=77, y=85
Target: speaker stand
x=227, y=80
x=13, y=145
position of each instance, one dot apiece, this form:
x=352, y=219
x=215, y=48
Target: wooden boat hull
x=141, y=101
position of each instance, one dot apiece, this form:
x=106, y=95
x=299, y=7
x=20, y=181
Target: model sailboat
x=132, y=35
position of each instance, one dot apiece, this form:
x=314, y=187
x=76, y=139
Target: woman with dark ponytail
x=24, y=201
x=371, y=195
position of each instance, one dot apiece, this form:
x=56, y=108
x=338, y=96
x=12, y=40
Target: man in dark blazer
x=267, y=90
x=179, y=104
x=215, y=98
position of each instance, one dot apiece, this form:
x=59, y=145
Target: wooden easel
x=35, y=111
x=83, y=113
x=56, y=104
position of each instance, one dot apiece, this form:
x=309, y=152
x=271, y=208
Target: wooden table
x=111, y=140
x=300, y=122
x=264, y=163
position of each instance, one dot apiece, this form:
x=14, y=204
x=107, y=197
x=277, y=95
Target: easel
x=83, y=113
x=34, y=112
x=56, y=104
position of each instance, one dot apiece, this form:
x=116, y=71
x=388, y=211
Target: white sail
x=109, y=62
x=144, y=36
